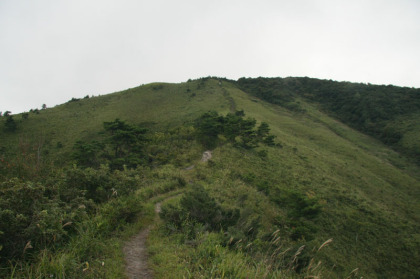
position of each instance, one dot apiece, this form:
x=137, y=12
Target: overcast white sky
x=53, y=50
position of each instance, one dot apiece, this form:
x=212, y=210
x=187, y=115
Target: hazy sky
x=53, y=50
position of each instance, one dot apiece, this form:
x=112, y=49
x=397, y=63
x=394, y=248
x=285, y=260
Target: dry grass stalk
x=274, y=234
x=275, y=254
x=230, y=240
x=312, y=269
x=67, y=224
x=353, y=272
x=87, y=266
x=325, y=244
x=298, y=252
x=27, y=246
x=276, y=240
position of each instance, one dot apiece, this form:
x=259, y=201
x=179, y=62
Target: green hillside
x=268, y=207
x=388, y=113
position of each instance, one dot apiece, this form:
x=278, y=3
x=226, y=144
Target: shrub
x=119, y=212
x=10, y=124
x=32, y=218
x=199, y=207
x=301, y=210
x=237, y=130
x=204, y=209
x=93, y=184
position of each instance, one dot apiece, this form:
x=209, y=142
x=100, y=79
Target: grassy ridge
x=369, y=193
x=157, y=106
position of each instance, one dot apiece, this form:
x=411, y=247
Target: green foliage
x=202, y=208
x=176, y=147
x=98, y=185
x=245, y=232
x=27, y=162
x=122, y=147
x=248, y=136
x=302, y=210
x=127, y=142
x=198, y=206
x=88, y=154
x=208, y=127
x=119, y=212
x=212, y=260
x=60, y=215
x=263, y=130
x=263, y=134
x=273, y=90
x=301, y=206
x=10, y=124
x=237, y=130
x=25, y=116
x=32, y=218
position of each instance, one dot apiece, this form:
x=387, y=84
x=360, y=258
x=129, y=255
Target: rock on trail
x=206, y=156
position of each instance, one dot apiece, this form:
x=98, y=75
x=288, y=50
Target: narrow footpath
x=135, y=250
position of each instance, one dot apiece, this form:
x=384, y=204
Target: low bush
x=32, y=218
x=119, y=212
x=301, y=211
x=197, y=206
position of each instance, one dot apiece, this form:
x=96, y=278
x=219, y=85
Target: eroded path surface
x=135, y=251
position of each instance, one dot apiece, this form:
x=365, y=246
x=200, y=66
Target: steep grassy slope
x=388, y=113
x=366, y=197
x=369, y=194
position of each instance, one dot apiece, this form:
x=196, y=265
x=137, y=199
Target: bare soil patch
x=135, y=252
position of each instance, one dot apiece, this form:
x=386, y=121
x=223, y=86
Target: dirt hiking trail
x=135, y=250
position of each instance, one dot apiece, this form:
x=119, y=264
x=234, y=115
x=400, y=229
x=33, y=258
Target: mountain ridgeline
x=308, y=178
